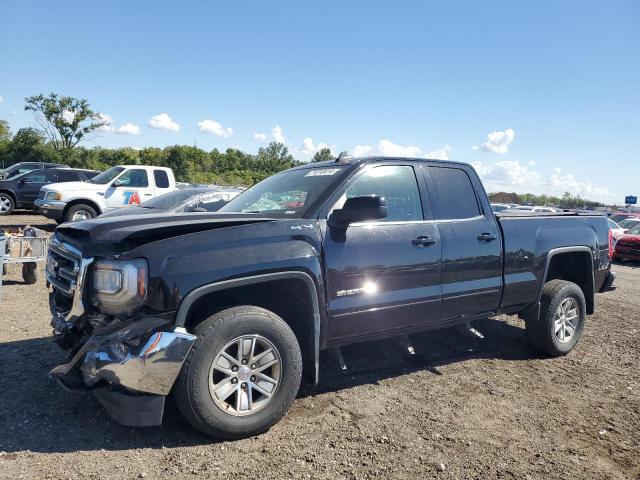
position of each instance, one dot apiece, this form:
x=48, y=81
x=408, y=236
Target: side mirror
x=116, y=184
x=358, y=209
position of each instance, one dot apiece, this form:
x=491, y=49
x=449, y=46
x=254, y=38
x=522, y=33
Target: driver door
x=131, y=187
x=384, y=275
x=30, y=186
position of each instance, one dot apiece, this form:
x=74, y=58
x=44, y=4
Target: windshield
x=635, y=230
x=613, y=225
x=288, y=194
x=630, y=223
x=106, y=176
x=171, y=199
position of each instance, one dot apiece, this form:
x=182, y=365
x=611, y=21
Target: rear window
x=161, y=178
x=67, y=176
x=452, y=194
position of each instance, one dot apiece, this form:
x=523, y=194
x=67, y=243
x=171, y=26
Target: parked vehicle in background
x=21, y=191
x=629, y=223
x=186, y=199
x=499, y=207
x=118, y=187
x=25, y=167
x=532, y=208
x=228, y=310
x=620, y=216
x=616, y=230
x=628, y=245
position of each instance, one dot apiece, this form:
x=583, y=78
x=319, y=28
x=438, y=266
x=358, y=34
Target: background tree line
x=566, y=201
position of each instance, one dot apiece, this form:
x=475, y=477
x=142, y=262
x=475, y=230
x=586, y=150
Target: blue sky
x=558, y=81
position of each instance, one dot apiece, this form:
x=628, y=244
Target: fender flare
x=534, y=310
x=195, y=294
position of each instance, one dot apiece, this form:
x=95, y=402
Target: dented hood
x=142, y=229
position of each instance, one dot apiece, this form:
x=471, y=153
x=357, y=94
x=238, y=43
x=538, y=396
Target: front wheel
x=241, y=375
x=80, y=212
x=562, y=314
x=6, y=204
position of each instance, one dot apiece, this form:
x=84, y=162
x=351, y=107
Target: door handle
x=423, y=241
x=486, y=237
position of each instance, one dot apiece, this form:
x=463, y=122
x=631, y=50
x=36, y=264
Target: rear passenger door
x=161, y=181
x=471, y=245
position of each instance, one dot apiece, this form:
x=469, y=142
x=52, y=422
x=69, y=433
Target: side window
x=397, y=184
x=452, y=194
x=67, y=176
x=161, y=178
x=40, y=176
x=134, y=178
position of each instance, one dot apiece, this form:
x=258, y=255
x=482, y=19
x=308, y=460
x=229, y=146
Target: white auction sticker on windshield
x=318, y=172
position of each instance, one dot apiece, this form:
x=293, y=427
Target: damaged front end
x=129, y=360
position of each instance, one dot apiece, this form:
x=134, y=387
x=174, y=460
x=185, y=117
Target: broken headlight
x=119, y=286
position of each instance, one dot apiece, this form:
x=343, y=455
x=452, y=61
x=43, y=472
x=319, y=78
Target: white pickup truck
x=118, y=187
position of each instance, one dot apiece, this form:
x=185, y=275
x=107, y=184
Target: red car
x=628, y=246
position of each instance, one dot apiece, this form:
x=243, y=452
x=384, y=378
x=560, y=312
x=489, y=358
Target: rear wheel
x=6, y=204
x=241, y=375
x=562, y=314
x=80, y=212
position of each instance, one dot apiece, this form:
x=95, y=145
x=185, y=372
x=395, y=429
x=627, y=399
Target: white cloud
x=68, y=116
x=439, y=153
x=109, y=119
x=163, y=122
x=497, y=142
x=129, y=129
x=362, y=150
x=1, y=99
x=278, y=134
x=390, y=149
x=513, y=176
x=211, y=126
x=260, y=137
x=308, y=148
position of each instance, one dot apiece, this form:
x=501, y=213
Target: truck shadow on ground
x=37, y=415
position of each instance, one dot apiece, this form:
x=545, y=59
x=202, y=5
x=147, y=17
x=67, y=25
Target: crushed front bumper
x=130, y=370
x=51, y=208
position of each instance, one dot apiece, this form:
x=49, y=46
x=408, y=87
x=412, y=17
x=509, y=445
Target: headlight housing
x=119, y=286
x=53, y=196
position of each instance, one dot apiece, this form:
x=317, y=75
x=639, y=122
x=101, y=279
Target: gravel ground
x=460, y=408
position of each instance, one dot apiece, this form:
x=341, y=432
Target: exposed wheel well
x=577, y=267
x=83, y=202
x=10, y=193
x=288, y=298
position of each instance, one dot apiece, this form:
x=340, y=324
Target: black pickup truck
x=229, y=310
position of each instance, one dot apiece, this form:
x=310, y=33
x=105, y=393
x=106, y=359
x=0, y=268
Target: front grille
x=63, y=267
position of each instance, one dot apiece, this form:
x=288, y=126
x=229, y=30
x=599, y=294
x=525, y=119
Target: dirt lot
x=460, y=408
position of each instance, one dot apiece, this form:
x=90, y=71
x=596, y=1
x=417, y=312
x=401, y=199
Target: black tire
x=8, y=202
x=80, y=207
x=541, y=332
x=30, y=273
x=192, y=394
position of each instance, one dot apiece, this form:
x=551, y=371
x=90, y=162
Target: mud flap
x=132, y=410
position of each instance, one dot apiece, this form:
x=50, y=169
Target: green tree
x=64, y=120
x=274, y=158
x=323, y=155
x=5, y=131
